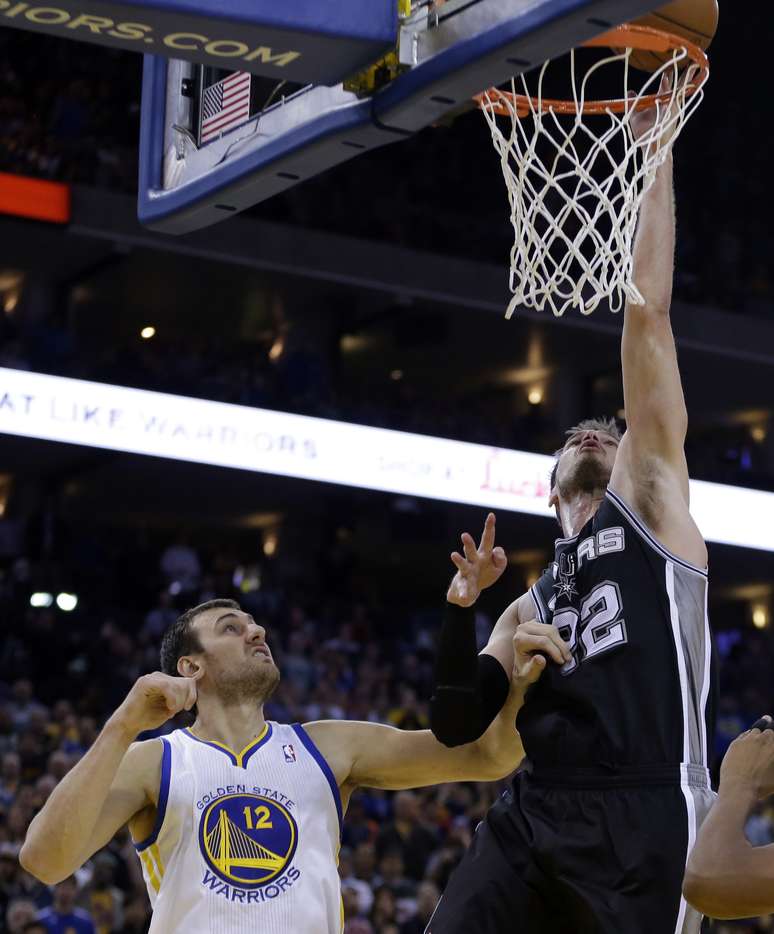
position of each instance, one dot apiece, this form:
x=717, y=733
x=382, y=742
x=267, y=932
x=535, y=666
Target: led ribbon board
x=117, y=418
x=303, y=41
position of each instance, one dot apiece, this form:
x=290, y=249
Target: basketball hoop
x=574, y=209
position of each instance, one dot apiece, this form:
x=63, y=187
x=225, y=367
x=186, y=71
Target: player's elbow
x=711, y=894
x=497, y=760
x=698, y=891
x=37, y=863
x=501, y=768
x=452, y=721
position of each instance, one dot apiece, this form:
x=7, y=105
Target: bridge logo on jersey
x=247, y=840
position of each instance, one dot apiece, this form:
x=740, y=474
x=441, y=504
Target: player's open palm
x=154, y=698
x=477, y=568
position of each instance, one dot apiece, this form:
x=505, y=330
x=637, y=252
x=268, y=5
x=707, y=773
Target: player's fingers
x=460, y=563
x=529, y=643
x=533, y=627
x=499, y=560
x=191, y=696
x=174, y=695
x=533, y=669
x=469, y=547
x=488, y=535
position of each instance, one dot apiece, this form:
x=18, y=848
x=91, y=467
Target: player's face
x=236, y=655
x=586, y=462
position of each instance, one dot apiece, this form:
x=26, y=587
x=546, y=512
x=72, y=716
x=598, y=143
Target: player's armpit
x=80, y=817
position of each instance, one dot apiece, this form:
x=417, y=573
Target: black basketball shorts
x=592, y=855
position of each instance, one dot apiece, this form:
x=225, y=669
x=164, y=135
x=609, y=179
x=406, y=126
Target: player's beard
x=590, y=475
x=250, y=682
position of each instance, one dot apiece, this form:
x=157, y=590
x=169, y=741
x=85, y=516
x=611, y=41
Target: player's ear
x=190, y=667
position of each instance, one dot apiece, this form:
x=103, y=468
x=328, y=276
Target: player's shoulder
x=142, y=763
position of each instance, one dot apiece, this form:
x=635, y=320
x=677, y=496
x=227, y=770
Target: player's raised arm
x=112, y=783
x=655, y=407
x=726, y=877
x=471, y=688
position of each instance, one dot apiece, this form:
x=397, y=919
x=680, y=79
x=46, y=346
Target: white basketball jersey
x=245, y=842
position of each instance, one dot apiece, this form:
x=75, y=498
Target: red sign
x=35, y=198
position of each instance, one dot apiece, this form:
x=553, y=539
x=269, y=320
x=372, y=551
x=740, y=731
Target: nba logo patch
x=290, y=752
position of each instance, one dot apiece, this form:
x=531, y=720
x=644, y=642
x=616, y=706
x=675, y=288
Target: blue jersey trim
x=238, y=759
x=313, y=751
x=161, y=808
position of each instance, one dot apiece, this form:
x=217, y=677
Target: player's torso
x=245, y=842
x=640, y=683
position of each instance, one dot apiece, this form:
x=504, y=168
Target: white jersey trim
x=648, y=535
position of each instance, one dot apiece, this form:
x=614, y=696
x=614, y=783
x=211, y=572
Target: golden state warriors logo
x=247, y=840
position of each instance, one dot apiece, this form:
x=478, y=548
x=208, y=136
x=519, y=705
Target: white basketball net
x=575, y=188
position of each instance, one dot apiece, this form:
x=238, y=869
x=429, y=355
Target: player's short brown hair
x=182, y=639
x=608, y=425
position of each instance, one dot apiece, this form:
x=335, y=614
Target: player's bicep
x=130, y=792
x=394, y=759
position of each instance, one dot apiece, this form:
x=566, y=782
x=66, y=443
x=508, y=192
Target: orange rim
x=505, y=103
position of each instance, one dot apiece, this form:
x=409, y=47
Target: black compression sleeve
x=470, y=689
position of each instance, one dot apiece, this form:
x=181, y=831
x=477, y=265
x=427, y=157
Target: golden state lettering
x=87, y=25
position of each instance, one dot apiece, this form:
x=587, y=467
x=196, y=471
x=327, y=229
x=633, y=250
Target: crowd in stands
x=70, y=111
x=340, y=656
x=303, y=380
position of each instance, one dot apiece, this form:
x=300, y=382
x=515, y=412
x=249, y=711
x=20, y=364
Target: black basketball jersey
x=639, y=690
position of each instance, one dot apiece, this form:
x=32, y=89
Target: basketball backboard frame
x=448, y=56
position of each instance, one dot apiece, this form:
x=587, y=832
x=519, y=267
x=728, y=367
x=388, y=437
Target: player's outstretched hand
x=479, y=568
x=644, y=121
x=153, y=699
x=749, y=762
x=533, y=644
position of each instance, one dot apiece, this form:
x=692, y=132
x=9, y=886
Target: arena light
x=66, y=602
x=118, y=418
x=41, y=600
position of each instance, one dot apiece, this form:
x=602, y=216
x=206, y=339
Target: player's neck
x=235, y=725
x=576, y=511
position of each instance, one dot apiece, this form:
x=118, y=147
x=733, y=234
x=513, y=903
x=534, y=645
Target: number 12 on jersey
x=262, y=821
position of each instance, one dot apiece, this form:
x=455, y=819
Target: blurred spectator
x=62, y=917
x=20, y=913
x=10, y=778
x=426, y=900
x=161, y=617
x=407, y=834
x=180, y=566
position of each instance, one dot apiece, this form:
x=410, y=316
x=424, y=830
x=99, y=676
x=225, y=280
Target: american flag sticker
x=225, y=105
x=290, y=753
